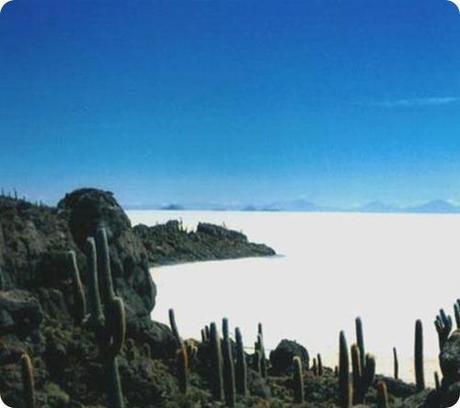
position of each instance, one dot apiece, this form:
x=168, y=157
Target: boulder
x=20, y=312
x=88, y=209
x=281, y=357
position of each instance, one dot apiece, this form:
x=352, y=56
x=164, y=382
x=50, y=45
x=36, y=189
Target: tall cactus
x=261, y=347
x=78, y=291
x=183, y=369
x=217, y=373
x=241, y=369
x=256, y=361
x=229, y=369
x=28, y=382
x=299, y=395
x=368, y=376
x=107, y=317
x=345, y=389
x=437, y=382
x=360, y=341
x=457, y=313
x=395, y=364
x=382, y=395
x=443, y=324
x=419, y=368
x=172, y=323
x=320, y=365
x=356, y=371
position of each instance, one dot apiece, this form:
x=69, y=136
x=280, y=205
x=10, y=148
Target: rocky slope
x=171, y=243
x=38, y=316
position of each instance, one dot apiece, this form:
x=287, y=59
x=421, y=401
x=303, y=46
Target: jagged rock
x=20, y=312
x=281, y=357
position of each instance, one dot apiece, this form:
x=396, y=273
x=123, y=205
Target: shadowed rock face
x=88, y=209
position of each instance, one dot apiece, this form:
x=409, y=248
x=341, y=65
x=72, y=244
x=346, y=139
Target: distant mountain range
x=302, y=205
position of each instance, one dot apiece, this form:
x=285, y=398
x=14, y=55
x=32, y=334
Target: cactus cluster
x=107, y=314
x=443, y=324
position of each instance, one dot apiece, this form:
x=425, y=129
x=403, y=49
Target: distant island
x=302, y=205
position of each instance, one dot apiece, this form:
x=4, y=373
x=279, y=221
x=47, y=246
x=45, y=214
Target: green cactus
x=443, y=324
x=28, y=382
x=78, y=291
x=345, y=389
x=229, y=369
x=360, y=341
x=108, y=321
x=457, y=313
x=299, y=395
x=261, y=348
x=419, y=368
x=207, y=332
x=368, y=376
x=172, y=323
x=382, y=395
x=314, y=368
x=320, y=365
x=183, y=369
x=395, y=364
x=217, y=373
x=241, y=369
x=203, y=336
x=356, y=373
x=256, y=361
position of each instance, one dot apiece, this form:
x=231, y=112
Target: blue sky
x=341, y=102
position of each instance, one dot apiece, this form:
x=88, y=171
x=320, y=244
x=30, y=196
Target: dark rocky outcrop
x=281, y=357
x=172, y=243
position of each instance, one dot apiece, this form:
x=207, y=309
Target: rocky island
x=75, y=302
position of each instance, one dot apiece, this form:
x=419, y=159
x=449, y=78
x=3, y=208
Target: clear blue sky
x=338, y=101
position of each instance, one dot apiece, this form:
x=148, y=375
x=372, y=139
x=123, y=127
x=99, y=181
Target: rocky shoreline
x=58, y=351
x=171, y=243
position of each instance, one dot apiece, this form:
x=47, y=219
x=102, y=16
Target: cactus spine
x=419, y=374
x=345, y=390
x=229, y=369
x=79, y=293
x=241, y=368
x=108, y=322
x=382, y=395
x=299, y=396
x=28, y=382
x=217, y=374
x=395, y=364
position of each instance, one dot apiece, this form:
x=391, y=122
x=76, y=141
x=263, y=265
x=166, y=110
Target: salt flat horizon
x=389, y=269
